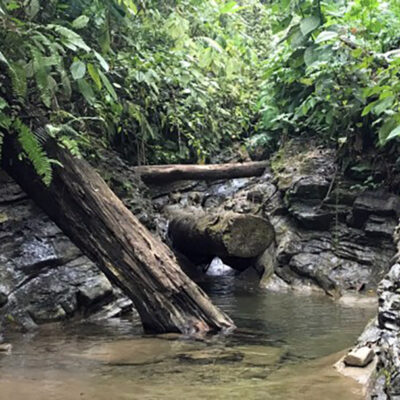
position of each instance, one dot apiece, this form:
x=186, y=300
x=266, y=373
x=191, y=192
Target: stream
x=284, y=348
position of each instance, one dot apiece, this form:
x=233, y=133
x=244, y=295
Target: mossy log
x=231, y=236
x=175, y=172
x=96, y=220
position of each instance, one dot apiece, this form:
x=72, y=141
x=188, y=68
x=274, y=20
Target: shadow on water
x=284, y=348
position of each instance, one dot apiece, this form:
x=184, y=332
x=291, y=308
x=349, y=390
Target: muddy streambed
x=284, y=348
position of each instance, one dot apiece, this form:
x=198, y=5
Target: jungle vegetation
x=181, y=80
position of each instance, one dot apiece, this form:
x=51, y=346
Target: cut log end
x=247, y=236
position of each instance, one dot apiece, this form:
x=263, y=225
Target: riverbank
x=332, y=236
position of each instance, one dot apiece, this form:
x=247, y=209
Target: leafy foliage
x=179, y=80
x=334, y=73
x=161, y=82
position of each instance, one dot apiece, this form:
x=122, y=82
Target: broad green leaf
x=296, y=39
x=231, y=7
x=86, y=91
x=325, y=36
x=212, y=43
x=80, y=22
x=94, y=74
x=130, y=5
x=310, y=56
x=102, y=61
x=393, y=134
x=78, y=69
x=70, y=38
x=384, y=105
x=282, y=24
x=368, y=108
x=309, y=24
x=108, y=86
x=33, y=8
x=389, y=125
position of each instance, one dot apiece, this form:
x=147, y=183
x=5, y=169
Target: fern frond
x=34, y=151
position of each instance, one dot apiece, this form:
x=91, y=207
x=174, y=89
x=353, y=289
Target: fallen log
x=95, y=219
x=233, y=237
x=175, y=172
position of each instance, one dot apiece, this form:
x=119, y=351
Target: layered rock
x=387, y=382
x=43, y=276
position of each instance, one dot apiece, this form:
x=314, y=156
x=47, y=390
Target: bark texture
x=169, y=173
x=84, y=207
x=227, y=235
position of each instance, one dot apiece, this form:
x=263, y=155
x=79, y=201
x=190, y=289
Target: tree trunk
x=231, y=236
x=169, y=173
x=84, y=207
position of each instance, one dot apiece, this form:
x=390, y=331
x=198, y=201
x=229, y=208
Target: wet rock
x=48, y=314
x=380, y=227
x=310, y=187
x=312, y=217
x=3, y=299
x=42, y=273
x=94, y=290
x=359, y=357
x=275, y=284
x=265, y=264
x=378, y=203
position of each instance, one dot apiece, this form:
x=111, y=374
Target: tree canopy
x=179, y=80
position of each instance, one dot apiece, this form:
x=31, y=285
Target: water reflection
x=280, y=351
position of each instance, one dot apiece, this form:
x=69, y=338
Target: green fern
x=18, y=79
x=34, y=151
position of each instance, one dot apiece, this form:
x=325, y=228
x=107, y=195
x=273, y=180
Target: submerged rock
x=211, y=356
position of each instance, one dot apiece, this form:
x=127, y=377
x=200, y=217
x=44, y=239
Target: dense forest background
x=183, y=80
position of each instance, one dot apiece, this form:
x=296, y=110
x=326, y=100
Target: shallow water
x=284, y=348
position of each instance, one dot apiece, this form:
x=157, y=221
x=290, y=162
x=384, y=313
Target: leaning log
x=175, y=172
x=85, y=208
x=231, y=236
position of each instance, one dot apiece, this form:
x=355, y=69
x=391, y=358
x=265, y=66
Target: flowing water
x=284, y=348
